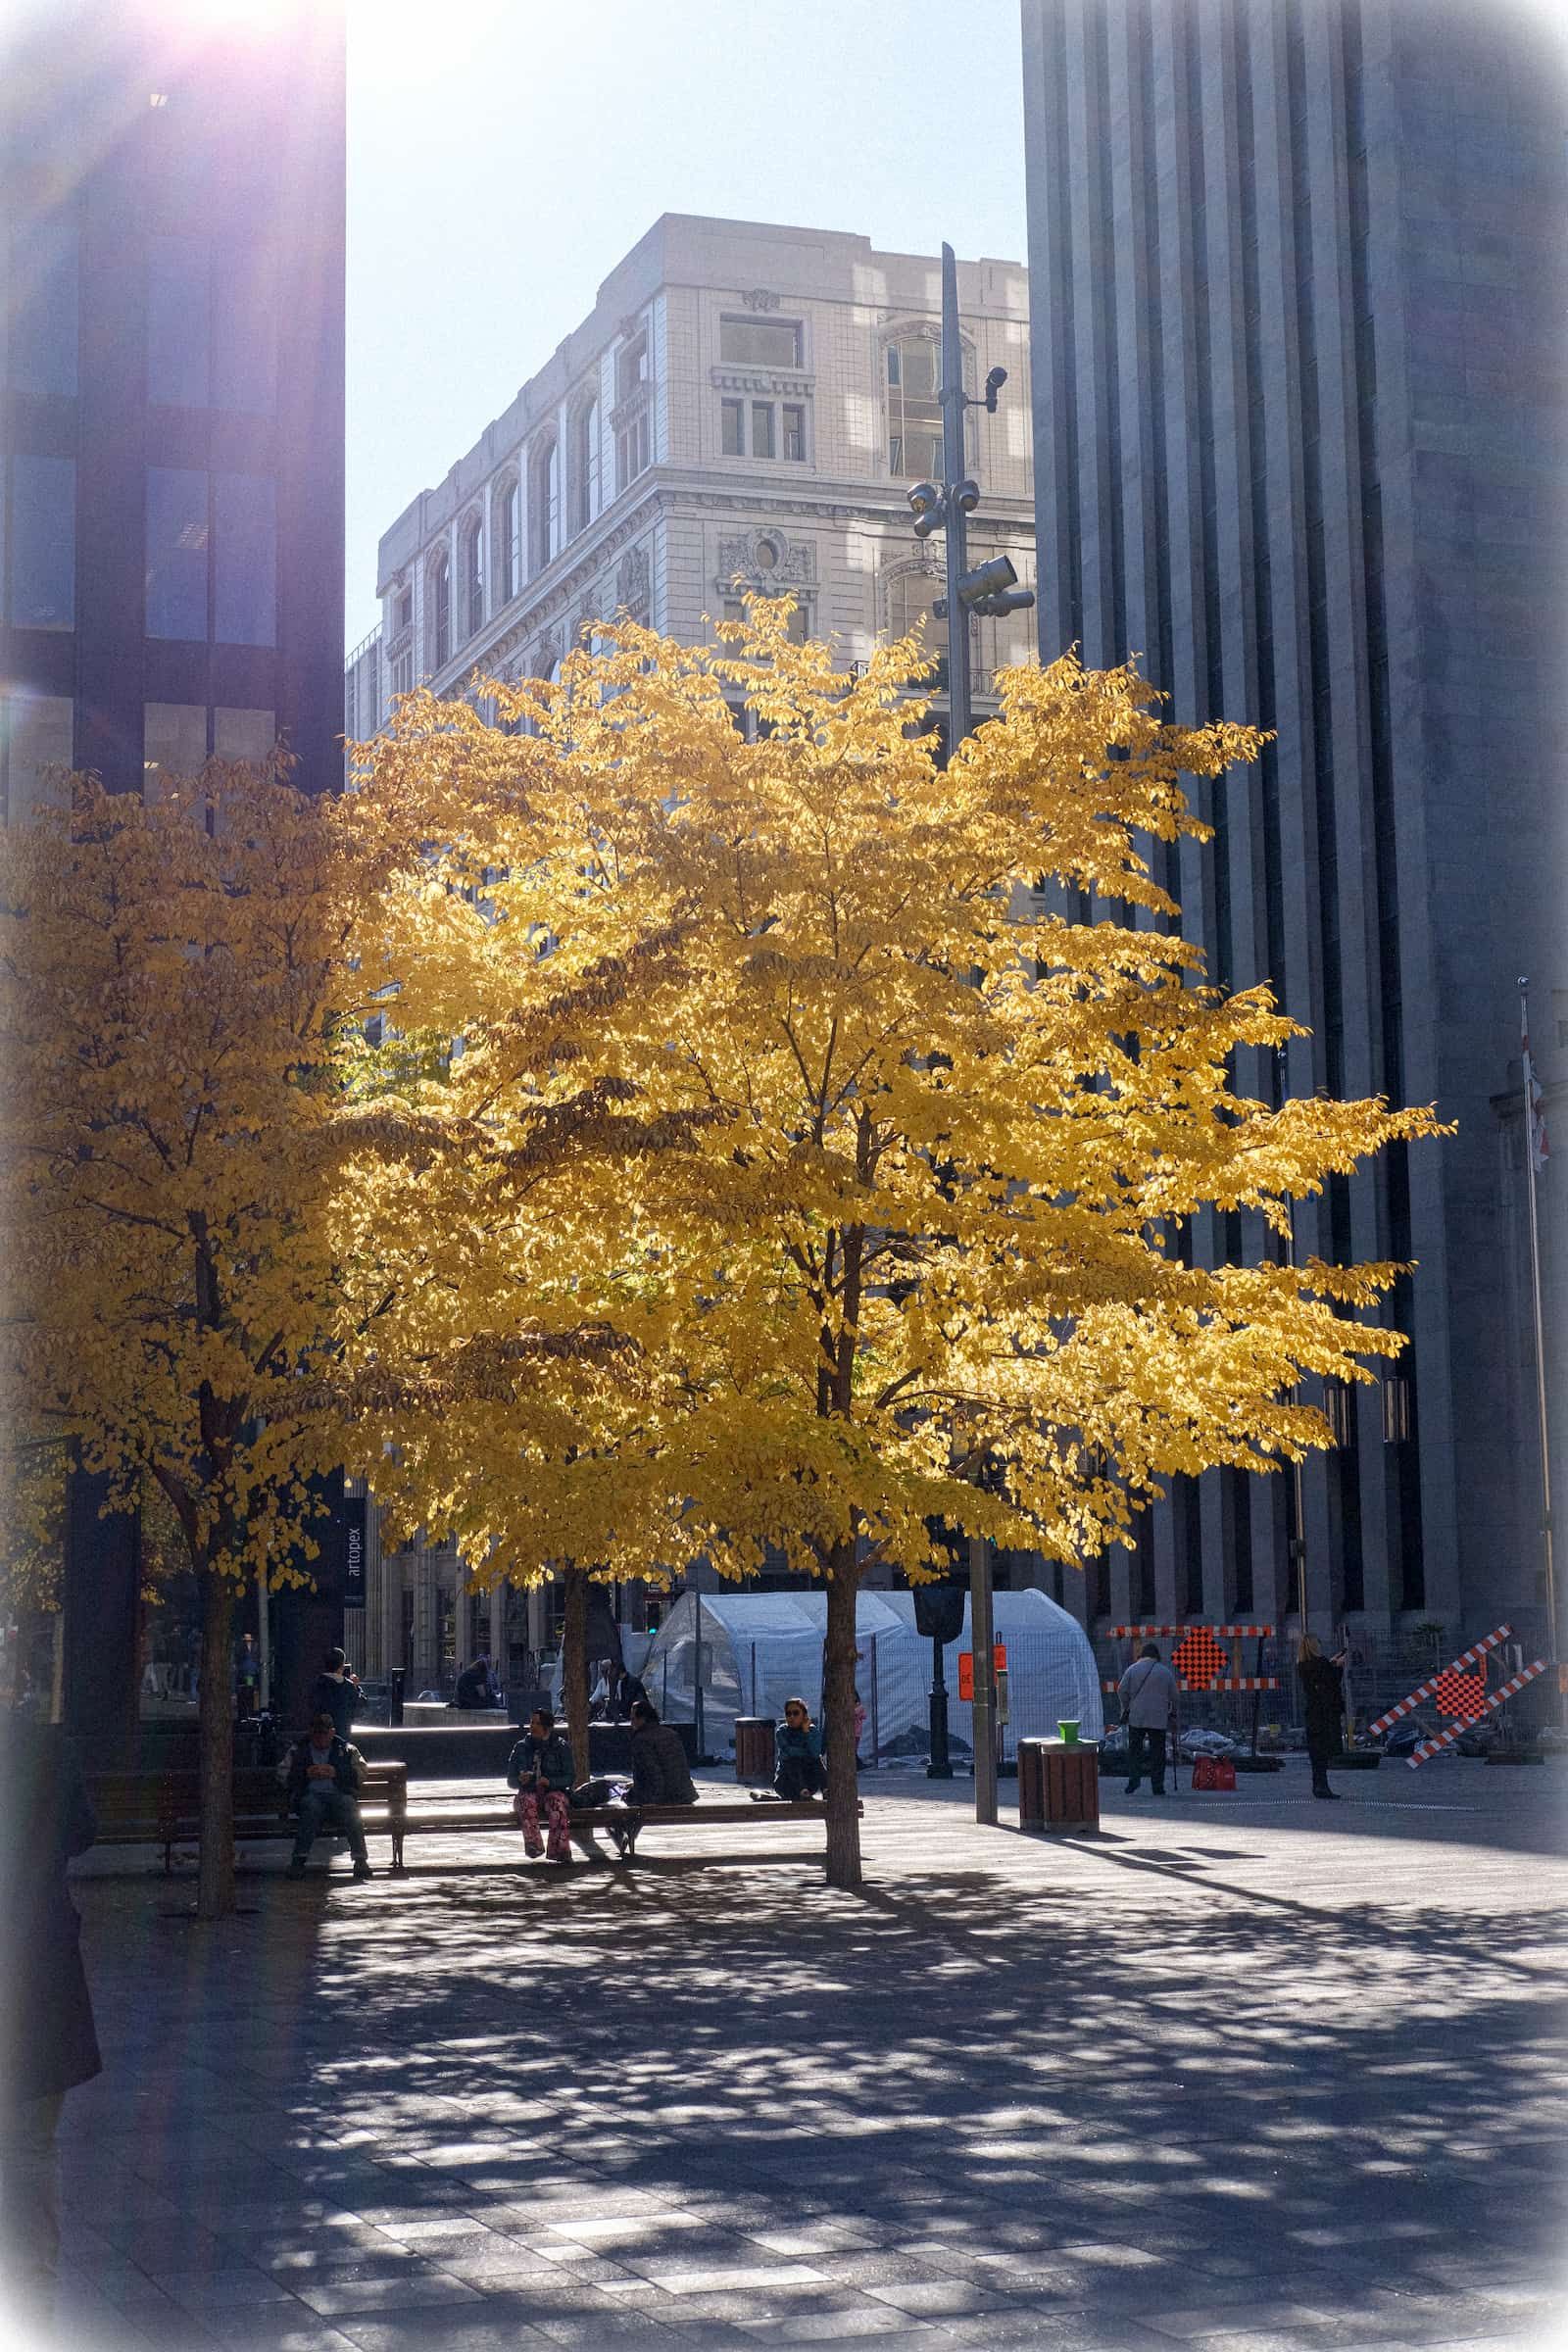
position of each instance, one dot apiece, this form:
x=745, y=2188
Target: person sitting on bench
x=798, y=1768
x=539, y=1768
x=659, y=1772
x=325, y=1775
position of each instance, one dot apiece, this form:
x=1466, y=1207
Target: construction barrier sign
x=998, y=1666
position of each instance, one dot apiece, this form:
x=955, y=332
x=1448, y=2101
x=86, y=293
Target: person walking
x=539, y=1769
x=324, y=1778
x=247, y=1678
x=1148, y=1692
x=48, y=2042
x=1323, y=1699
x=336, y=1690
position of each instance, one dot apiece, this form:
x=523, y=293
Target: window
x=245, y=583
x=633, y=448
x=588, y=499
x=508, y=541
x=762, y=438
x=403, y=671
x=438, y=616
x=44, y=542
x=911, y=596
x=36, y=736
x=404, y=610
x=179, y=327
x=634, y=431
x=732, y=436
x=759, y=342
x=176, y=552
x=245, y=734
x=914, y=413
x=43, y=323
x=544, y=505
x=797, y=627
x=472, y=580
x=753, y=428
x=244, y=349
x=794, y=433
x=174, y=745
x=631, y=368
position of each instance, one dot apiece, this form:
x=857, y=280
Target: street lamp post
x=990, y=590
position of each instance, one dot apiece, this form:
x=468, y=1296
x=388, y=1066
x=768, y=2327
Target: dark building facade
x=1302, y=443
x=172, y=258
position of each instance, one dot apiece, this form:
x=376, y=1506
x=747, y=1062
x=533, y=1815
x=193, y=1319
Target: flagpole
x=1540, y=1321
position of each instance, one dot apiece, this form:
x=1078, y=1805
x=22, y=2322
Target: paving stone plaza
x=1241, y=2072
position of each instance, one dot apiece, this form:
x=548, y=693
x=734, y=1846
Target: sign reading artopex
x=354, y=1533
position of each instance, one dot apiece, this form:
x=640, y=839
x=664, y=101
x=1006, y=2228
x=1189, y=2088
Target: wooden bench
x=494, y=1815
x=163, y=1808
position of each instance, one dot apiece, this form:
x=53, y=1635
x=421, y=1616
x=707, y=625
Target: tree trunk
x=574, y=1668
x=215, y=1881
x=838, y=1719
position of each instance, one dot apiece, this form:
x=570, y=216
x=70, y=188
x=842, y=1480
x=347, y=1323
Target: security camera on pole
x=989, y=590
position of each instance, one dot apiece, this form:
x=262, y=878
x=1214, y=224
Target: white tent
x=759, y=1648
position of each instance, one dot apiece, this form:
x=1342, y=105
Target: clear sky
x=504, y=159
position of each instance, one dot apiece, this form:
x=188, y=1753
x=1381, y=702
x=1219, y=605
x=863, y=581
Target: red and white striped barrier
x=1234, y=1682
x=1430, y=1747
x=1467, y=1657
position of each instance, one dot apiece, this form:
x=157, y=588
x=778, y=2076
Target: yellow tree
x=931, y=1146
x=176, y=984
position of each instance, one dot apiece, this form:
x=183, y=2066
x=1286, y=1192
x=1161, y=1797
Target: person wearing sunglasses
x=799, y=1769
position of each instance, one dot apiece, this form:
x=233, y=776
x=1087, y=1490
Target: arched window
x=507, y=525
x=585, y=467
x=911, y=596
x=544, y=504
x=473, y=578
x=439, y=630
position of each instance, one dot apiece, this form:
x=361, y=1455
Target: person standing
x=539, y=1769
x=336, y=1690
x=324, y=1778
x=1323, y=1699
x=1148, y=1692
x=247, y=1678
x=48, y=2042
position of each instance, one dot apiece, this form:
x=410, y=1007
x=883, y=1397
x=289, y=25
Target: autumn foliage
x=758, y=1160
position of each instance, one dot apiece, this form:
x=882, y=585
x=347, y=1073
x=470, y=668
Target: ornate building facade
x=745, y=407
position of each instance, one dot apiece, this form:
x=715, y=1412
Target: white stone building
x=743, y=402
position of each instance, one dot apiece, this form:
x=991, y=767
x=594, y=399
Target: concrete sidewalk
x=1241, y=2072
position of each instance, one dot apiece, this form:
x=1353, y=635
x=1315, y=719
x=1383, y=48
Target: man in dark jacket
x=47, y=2041
x=539, y=1768
x=1323, y=1701
x=659, y=1772
x=336, y=1688
x=474, y=1687
x=324, y=1778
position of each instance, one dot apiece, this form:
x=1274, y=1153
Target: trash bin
x=1058, y=1786
x=753, y=1746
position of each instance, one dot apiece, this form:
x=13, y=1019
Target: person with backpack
x=1149, y=1694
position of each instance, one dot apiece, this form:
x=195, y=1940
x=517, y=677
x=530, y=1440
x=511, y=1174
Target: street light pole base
x=939, y=1772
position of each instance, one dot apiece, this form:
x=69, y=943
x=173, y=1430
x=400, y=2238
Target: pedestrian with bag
x=1323, y=1699
x=1148, y=1692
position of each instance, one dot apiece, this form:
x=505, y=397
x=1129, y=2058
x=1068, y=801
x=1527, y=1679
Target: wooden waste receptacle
x=1058, y=1787
x=753, y=1746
